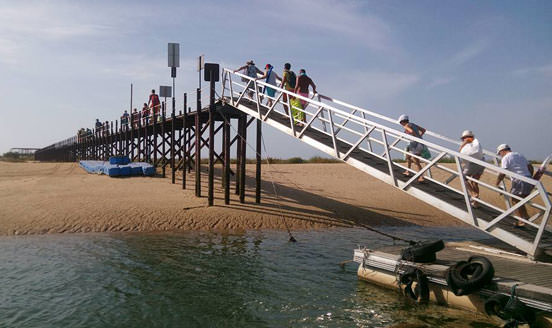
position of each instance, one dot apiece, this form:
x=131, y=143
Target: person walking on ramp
x=517, y=163
x=289, y=79
x=302, y=86
x=414, y=147
x=250, y=70
x=470, y=146
x=270, y=77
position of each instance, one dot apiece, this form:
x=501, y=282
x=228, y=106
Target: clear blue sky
x=451, y=65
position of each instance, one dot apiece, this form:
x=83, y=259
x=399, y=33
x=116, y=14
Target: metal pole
x=211, y=137
x=173, y=117
x=131, y=87
x=258, y=164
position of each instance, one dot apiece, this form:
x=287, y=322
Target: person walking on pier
x=154, y=103
x=270, y=77
x=124, y=121
x=515, y=162
x=289, y=79
x=145, y=114
x=470, y=146
x=98, y=126
x=106, y=128
x=414, y=147
x=302, y=86
x=250, y=70
x=135, y=118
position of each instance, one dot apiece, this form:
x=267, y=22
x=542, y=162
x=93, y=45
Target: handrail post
x=334, y=139
x=389, y=160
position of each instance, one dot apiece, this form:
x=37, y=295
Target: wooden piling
x=139, y=132
x=211, y=141
x=238, y=157
x=197, y=146
x=258, y=163
x=164, y=164
x=226, y=145
x=147, y=144
x=183, y=143
x=155, y=137
x=243, y=158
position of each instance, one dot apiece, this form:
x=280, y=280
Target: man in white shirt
x=470, y=146
x=515, y=162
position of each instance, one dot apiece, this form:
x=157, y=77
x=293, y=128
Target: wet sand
x=37, y=198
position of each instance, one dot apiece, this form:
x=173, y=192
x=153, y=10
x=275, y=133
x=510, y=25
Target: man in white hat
x=413, y=147
x=515, y=162
x=470, y=146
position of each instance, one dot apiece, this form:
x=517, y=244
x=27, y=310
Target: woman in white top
x=471, y=147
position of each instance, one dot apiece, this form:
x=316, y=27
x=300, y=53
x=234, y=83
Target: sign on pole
x=174, y=55
x=211, y=68
x=165, y=91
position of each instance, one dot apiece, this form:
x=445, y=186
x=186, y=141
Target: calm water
x=206, y=280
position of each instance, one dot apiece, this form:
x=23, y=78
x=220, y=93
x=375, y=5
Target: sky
x=450, y=65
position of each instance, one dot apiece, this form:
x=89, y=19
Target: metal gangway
x=375, y=144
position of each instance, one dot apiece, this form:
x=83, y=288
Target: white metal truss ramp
x=373, y=143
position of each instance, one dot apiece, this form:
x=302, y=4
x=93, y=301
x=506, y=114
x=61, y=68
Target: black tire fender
x=420, y=293
x=466, y=277
x=495, y=305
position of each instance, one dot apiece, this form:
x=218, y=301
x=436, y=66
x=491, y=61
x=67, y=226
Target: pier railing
x=354, y=130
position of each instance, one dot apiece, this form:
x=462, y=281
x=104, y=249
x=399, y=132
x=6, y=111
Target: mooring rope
x=278, y=199
x=388, y=235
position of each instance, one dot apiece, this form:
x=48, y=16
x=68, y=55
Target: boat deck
x=507, y=267
x=533, y=279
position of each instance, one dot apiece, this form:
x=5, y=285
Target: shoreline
x=42, y=198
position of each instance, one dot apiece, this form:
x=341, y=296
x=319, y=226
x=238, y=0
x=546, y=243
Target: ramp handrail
x=348, y=125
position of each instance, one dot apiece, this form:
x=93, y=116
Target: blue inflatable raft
x=118, y=166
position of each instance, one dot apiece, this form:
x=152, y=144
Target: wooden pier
x=172, y=142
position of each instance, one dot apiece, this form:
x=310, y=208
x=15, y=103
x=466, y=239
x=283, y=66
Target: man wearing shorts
x=270, y=77
x=470, y=146
x=413, y=147
x=517, y=163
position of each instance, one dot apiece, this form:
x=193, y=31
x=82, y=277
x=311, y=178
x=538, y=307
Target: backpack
x=292, y=78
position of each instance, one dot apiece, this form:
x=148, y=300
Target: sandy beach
x=38, y=198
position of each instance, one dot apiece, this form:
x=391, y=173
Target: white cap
x=467, y=133
x=403, y=117
x=502, y=147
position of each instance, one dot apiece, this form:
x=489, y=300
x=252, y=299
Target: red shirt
x=154, y=100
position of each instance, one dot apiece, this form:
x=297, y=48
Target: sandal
x=406, y=173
